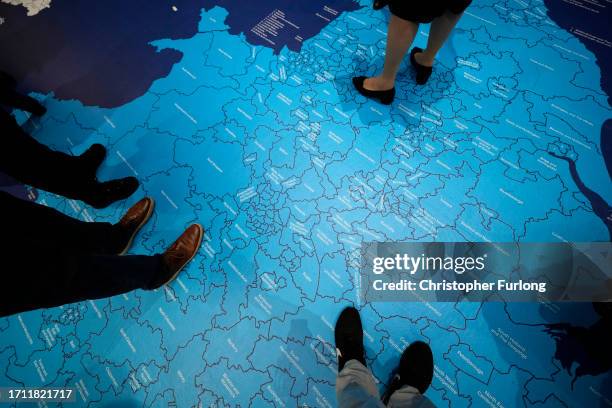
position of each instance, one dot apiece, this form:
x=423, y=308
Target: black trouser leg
x=39, y=277
x=30, y=162
x=27, y=221
x=13, y=99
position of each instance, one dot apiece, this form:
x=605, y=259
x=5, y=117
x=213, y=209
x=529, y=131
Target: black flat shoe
x=422, y=72
x=101, y=195
x=385, y=97
x=92, y=158
x=35, y=108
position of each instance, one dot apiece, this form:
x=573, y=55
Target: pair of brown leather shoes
x=176, y=256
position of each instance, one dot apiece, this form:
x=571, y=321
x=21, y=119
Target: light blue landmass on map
x=288, y=170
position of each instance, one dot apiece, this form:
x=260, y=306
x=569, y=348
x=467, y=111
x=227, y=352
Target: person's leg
x=40, y=277
x=11, y=98
x=439, y=31
x=7, y=81
x=400, y=35
x=413, y=377
x=408, y=396
x=355, y=386
x=33, y=163
x=23, y=220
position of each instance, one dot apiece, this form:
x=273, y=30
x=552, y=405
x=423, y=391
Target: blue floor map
x=241, y=116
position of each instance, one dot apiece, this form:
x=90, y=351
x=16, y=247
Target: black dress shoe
x=422, y=72
x=92, y=158
x=348, y=335
x=37, y=108
x=385, y=97
x=101, y=195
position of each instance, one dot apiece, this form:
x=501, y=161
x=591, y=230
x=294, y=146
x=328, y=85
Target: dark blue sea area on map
x=592, y=18
x=585, y=349
x=600, y=207
x=606, y=144
x=96, y=52
x=310, y=16
x=99, y=53
x=588, y=17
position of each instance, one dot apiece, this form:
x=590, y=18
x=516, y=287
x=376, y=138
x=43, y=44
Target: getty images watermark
x=442, y=271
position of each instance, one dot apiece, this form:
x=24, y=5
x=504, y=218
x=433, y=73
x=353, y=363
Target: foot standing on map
x=51, y=259
x=10, y=97
x=403, y=26
x=355, y=385
x=27, y=221
x=32, y=163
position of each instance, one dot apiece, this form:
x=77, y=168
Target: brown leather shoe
x=180, y=253
x=134, y=219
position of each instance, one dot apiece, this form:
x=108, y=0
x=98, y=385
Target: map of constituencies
x=289, y=170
